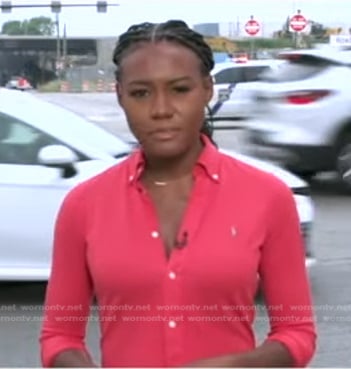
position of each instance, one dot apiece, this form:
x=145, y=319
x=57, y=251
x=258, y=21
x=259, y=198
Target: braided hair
x=174, y=31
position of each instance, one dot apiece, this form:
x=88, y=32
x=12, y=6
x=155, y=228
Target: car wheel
x=344, y=161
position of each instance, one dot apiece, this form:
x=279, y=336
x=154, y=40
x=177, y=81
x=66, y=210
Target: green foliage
x=264, y=43
x=12, y=28
x=38, y=26
x=319, y=32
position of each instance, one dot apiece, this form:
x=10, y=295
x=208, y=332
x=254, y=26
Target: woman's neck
x=170, y=169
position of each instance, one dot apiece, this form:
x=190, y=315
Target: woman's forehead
x=160, y=58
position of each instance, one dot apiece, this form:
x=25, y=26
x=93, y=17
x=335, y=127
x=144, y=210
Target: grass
x=53, y=86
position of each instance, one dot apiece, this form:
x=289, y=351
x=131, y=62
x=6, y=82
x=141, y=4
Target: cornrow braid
x=175, y=31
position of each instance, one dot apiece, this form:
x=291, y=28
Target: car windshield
x=72, y=124
x=63, y=124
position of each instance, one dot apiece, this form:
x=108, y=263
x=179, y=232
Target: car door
x=30, y=196
x=227, y=94
x=234, y=89
x=251, y=77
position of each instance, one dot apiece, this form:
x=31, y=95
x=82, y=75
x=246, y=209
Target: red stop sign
x=298, y=22
x=252, y=27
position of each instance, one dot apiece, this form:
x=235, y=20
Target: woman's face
x=164, y=95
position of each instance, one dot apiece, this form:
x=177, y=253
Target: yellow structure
x=333, y=31
x=221, y=44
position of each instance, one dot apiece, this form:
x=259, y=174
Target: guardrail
x=87, y=86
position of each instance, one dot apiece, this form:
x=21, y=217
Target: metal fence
x=88, y=79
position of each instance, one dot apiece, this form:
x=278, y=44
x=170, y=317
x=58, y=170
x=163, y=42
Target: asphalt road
x=21, y=303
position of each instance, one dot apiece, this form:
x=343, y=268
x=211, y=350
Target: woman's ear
x=119, y=93
x=208, y=85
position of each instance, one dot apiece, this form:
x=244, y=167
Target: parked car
x=45, y=151
x=233, y=83
x=19, y=83
x=301, y=113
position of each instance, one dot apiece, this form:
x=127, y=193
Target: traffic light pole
x=58, y=41
x=49, y=5
x=7, y=6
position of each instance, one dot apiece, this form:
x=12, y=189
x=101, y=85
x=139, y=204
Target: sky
x=271, y=14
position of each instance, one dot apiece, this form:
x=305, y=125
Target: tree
x=318, y=31
x=39, y=26
x=12, y=28
x=285, y=30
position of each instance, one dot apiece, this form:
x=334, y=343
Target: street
x=21, y=303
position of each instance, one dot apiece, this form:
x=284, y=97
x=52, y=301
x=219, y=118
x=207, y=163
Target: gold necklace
x=159, y=183
x=164, y=183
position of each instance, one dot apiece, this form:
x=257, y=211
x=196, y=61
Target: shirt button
x=172, y=275
x=172, y=324
x=154, y=234
x=215, y=177
x=131, y=178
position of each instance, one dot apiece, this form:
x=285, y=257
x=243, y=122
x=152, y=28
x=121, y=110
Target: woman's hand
x=270, y=354
x=227, y=361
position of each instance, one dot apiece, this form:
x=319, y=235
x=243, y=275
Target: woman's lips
x=165, y=134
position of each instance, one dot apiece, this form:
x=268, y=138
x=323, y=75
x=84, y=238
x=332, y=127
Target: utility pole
x=64, y=50
x=58, y=40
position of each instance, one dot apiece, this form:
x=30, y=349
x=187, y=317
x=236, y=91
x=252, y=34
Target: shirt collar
x=208, y=161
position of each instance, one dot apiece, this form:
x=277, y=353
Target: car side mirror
x=59, y=156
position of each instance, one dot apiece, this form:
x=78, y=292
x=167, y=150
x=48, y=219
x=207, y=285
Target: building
x=207, y=29
x=40, y=58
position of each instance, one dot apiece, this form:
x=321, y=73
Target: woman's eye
x=181, y=89
x=139, y=93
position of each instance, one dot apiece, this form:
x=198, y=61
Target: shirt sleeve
x=284, y=278
x=69, y=290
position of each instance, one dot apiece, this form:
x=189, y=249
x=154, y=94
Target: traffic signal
x=6, y=6
x=101, y=6
x=56, y=6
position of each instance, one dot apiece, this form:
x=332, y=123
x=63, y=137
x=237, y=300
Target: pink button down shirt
x=155, y=311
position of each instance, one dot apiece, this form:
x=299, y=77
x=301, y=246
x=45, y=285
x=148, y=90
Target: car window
x=253, y=74
x=21, y=143
x=296, y=70
x=229, y=75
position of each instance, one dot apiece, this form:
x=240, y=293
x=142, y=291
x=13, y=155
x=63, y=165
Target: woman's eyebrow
x=149, y=82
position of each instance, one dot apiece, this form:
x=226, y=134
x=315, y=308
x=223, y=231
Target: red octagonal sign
x=298, y=22
x=252, y=27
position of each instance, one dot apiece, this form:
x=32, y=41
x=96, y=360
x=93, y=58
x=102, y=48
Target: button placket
x=172, y=298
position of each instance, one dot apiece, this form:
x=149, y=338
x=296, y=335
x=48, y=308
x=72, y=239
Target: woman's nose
x=161, y=106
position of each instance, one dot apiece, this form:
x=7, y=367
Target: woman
x=170, y=242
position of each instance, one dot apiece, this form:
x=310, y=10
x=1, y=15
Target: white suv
x=233, y=82
x=301, y=113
